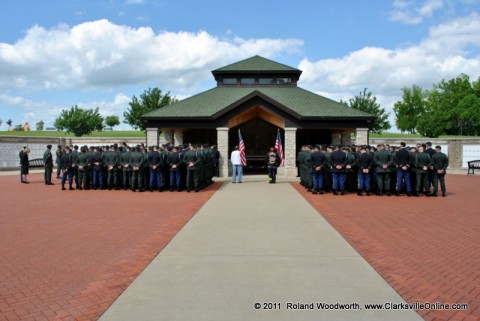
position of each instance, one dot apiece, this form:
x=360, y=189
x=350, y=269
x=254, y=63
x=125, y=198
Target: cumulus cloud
x=411, y=12
x=443, y=54
x=102, y=54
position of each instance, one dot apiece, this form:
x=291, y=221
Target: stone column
x=290, y=152
x=178, y=137
x=346, y=138
x=361, y=136
x=336, y=138
x=167, y=136
x=222, y=145
x=152, y=136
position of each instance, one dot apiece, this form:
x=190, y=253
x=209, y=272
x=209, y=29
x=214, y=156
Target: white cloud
x=102, y=54
x=450, y=49
x=410, y=12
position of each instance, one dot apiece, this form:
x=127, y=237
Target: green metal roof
x=255, y=64
x=297, y=101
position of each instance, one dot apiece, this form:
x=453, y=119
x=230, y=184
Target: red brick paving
x=426, y=248
x=67, y=255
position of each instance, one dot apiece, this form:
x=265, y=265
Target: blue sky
x=55, y=54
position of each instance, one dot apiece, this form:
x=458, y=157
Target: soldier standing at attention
x=422, y=163
x=126, y=168
x=439, y=168
x=48, y=161
x=365, y=164
x=136, y=161
x=111, y=159
x=318, y=164
x=73, y=161
x=403, y=162
x=191, y=160
x=328, y=172
x=66, y=168
x=383, y=162
x=339, y=160
x=82, y=165
x=155, y=164
x=174, y=161
x=58, y=155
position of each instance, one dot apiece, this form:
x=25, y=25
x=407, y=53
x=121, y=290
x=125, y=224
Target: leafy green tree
x=149, y=101
x=80, y=121
x=408, y=110
x=9, y=123
x=58, y=125
x=112, y=121
x=368, y=103
x=40, y=125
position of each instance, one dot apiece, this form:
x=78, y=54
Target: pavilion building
x=258, y=96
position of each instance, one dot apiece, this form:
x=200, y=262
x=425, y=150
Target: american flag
x=279, y=148
x=241, y=148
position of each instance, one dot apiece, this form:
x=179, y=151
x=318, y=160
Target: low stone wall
x=10, y=146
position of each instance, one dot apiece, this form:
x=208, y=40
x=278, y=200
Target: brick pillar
x=361, y=136
x=222, y=144
x=336, y=138
x=290, y=152
x=178, y=137
x=152, y=136
x=346, y=138
x=167, y=136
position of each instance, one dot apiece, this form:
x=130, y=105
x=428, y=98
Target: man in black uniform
x=111, y=159
x=126, y=168
x=403, y=162
x=174, y=161
x=317, y=159
x=136, y=161
x=155, y=164
x=65, y=165
x=338, y=163
x=216, y=161
x=383, y=161
x=82, y=165
x=422, y=163
x=97, y=161
x=73, y=167
x=365, y=165
x=191, y=160
x=439, y=168
x=48, y=161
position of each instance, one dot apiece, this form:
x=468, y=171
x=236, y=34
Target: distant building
x=257, y=96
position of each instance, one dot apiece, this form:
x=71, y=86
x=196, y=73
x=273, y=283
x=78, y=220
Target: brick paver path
x=426, y=248
x=67, y=255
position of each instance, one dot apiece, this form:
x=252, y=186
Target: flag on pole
x=279, y=148
x=241, y=148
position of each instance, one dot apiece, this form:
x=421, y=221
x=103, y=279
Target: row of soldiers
x=366, y=169
x=138, y=168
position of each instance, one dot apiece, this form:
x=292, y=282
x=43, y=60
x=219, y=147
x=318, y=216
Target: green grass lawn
x=119, y=133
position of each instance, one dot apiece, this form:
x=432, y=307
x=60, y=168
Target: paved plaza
x=214, y=255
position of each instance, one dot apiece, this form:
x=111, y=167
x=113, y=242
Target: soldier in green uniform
x=383, y=162
x=48, y=161
x=191, y=160
x=58, y=155
x=439, y=166
x=81, y=163
x=111, y=160
x=137, y=161
x=73, y=159
x=126, y=168
x=422, y=163
x=328, y=170
x=350, y=169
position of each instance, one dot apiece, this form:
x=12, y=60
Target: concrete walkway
x=256, y=243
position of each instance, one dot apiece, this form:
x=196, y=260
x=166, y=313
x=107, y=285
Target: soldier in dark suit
x=439, y=166
x=383, y=165
x=365, y=165
x=215, y=161
x=73, y=160
x=191, y=160
x=174, y=161
x=24, y=164
x=48, y=161
x=65, y=165
x=422, y=163
x=155, y=163
x=111, y=159
x=58, y=155
x=318, y=169
x=338, y=163
x=403, y=162
x=81, y=163
x=98, y=174
x=136, y=162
